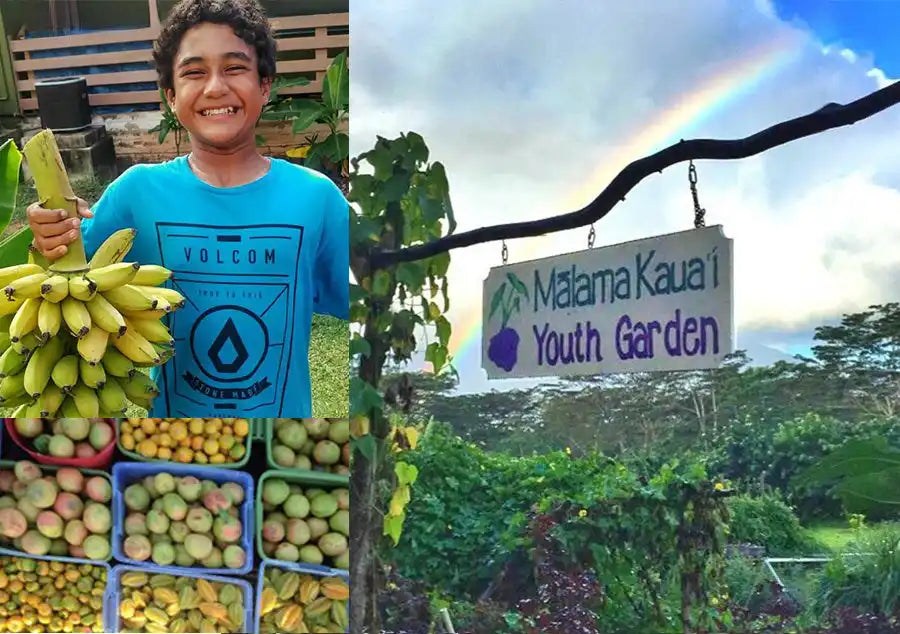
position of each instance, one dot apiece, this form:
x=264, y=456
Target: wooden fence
x=315, y=35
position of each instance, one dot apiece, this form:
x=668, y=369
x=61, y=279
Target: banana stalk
x=55, y=192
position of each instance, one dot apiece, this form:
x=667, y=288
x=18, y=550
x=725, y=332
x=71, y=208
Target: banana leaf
x=14, y=248
x=863, y=473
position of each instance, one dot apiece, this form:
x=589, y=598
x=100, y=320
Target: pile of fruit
x=166, y=603
x=187, y=440
x=310, y=526
x=74, y=333
x=50, y=596
x=296, y=604
x=66, y=437
x=184, y=521
x=63, y=514
x=312, y=444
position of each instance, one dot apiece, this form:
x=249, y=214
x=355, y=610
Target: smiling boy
x=256, y=244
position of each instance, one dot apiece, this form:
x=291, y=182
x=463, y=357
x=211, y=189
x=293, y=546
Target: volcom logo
x=229, y=334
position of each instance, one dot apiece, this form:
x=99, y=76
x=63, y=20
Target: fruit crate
x=240, y=464
x=259, y=427
x=322, y=478
x=79, y=562
x=127, y=473
x=306, y=479
x=111, y=600
x=102, y=460
x=10, y=464
x=287, y=565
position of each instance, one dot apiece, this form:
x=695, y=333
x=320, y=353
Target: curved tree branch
x=830, y=116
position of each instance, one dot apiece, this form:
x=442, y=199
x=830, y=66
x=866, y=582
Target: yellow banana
x=92, y=346
x=9, y=307
x=68, y=409
x=169, y=294
x=81, y=287
x=136, y=347
x=12, y=387
x=117, y=364
x=162, y=304
x=130, y=298
x=20, y=411
x=92, y=376
x=142, y=401
x=26, y=344
x=112, y=397
x=153, y=313
x=4, y=339
x=105, y=315
x=151, y=275
x=26, y=318
x=139, y=386
x=86, y=401
x=12, y=273
x=27, y=287
x=37, y=372
x=114, y=249
x=65, y=372
x=12, y=362
x=49, y=320
x=55, y=289
x=50, y=400
x=32, y=410
x=77, y=317
x=153, y=330
x=113, y=275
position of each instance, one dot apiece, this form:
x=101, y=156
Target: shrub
x=766, y=520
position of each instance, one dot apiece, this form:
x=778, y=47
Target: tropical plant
x=331, y=153
x=14, y=248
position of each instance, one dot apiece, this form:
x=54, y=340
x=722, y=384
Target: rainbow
x=722, y=88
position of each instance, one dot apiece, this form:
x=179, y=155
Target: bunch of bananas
x=73, y=342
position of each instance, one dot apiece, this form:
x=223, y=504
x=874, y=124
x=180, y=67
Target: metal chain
x=504, y=252
x=591, y=236
x=699, y=212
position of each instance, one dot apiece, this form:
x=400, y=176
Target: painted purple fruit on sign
x=503, y=347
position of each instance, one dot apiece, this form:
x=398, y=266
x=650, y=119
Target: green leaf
x=364, y=445
x=855, y=458
x=10, y=163
x=437, y=177
x=381, y=285
x=443, y=328
x=497, y=300
x=336, y=147
x=436, y=355
x=417, y=151
x=359, y=346
x=396, y=187
x=357, y=293
x=412, y=274
x=281, y=83
x=303, y=113
x=364, y=230
x=393, y=527
x=382, y=160
x=406, y=473
x=260, y=140
x=14, y=249
x=164, y=129
x=434, y=311
x=517, y=284
x=336, y=84
x=440, y=264
x=364, y=399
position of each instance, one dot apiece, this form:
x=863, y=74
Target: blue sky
x=867, y=27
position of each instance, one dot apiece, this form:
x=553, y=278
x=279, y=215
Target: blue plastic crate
x=308, y=480
x=126, y=473
x=111, y=598
x=79, y=562
x=88, y=473
x=286, y=565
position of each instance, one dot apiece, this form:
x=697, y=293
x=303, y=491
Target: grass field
x=835, y=536
x=329, y=342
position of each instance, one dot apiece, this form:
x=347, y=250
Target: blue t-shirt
x=253, y=262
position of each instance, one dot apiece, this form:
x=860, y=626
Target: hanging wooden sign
x=661, y=303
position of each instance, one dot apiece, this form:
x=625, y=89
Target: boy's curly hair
x=245, y=17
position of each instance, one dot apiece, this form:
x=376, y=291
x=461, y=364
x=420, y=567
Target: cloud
x=522, y=100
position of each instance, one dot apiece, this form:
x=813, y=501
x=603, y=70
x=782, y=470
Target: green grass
x=836, y=535
x=329, y=343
